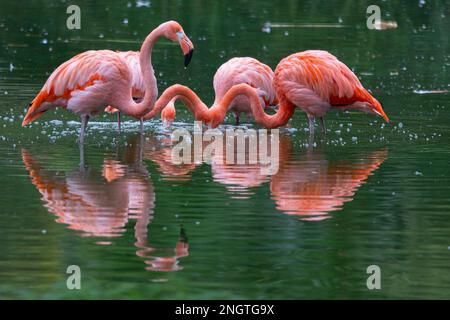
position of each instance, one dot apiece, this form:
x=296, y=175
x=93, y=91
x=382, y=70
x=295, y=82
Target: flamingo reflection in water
x=312, y=186
x=100, y=203
x=309, y=186
x=158, y=149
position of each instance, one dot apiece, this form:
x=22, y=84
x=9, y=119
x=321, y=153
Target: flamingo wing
x=74, y=77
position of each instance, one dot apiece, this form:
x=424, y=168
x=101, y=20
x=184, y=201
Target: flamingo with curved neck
x=92, y=80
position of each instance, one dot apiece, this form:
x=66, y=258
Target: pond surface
x=141, y=227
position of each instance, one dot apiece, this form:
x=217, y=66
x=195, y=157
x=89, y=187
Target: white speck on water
x=266, y=28
x=400, y=125
x=44, y=231
x=125, y=21
x=11, y=67
x=142, y=3
x=354, y=139
x=44, y=41
x=418, y=173
x=197, y=222
x=291, y=130
x=55, y=122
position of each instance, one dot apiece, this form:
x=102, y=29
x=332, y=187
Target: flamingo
x=314, y=81
x=94, y=79
x=235, y=71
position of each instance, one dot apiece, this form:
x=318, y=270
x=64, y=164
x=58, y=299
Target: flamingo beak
x=376, y=108
x=382, y=114
x=186, y=46
x=31, y=117
x=379, y=111
x=188, y=57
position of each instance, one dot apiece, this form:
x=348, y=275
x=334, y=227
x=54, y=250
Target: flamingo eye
x=180, y=35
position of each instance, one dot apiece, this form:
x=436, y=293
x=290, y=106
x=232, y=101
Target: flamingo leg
x=141, y=125
x=322, y=125
x=311, y=120
x=82, y=163
x=118, y=122
x=84, y=122
x=236, y=117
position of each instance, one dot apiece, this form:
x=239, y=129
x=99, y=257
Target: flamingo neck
x=187, y=96
x=282, y=116
x=151, y=89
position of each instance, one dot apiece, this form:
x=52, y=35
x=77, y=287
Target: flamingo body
x=244, y=70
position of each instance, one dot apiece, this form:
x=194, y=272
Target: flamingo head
x=168, y=114
x=373, y=108
x=175, y=32
x=215, y=119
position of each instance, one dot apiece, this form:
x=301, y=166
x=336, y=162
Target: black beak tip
x=188, y=57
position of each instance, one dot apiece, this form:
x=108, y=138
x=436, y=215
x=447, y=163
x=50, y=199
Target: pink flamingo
x=92, y=80
x=314, y=81
x=235, y=71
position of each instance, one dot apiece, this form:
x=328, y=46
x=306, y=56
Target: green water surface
x=140, y=227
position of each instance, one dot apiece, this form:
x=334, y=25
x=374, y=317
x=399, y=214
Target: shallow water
x=140, y=227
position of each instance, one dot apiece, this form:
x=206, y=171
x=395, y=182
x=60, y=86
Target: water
x=141, y=227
